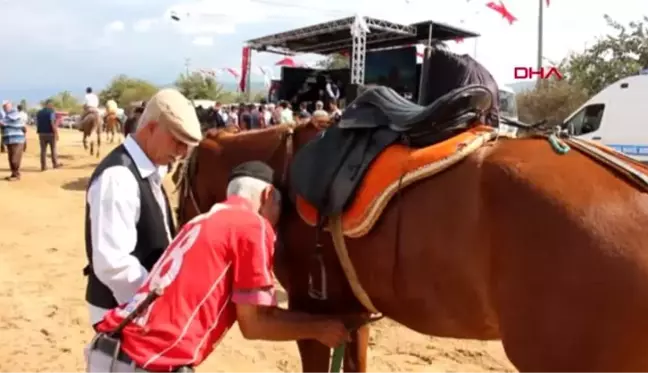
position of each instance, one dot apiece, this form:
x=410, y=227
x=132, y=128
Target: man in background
x=91, y=100
x=286, y=113
x=221, y=115
x=47, y=134
x=13, y=130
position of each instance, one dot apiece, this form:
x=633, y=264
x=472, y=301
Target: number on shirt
x=170, y=262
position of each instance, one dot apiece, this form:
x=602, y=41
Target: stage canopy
x=334, y=36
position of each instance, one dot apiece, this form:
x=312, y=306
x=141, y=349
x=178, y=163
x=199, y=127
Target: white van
x=616, y=116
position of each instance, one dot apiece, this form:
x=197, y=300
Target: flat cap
x=174, y=111
x=255, y=169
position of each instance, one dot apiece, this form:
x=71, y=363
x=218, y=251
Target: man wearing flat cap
x=217, y=271
x=128, y=222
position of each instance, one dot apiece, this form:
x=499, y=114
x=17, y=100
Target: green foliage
x=23, y=104
x=64, y=101
x=611, y=58
x=198, y=87
x=334, y=61
x=124, y=90
x=259, y=96
x=552, y=101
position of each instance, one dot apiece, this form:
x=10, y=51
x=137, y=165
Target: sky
x=49, y=46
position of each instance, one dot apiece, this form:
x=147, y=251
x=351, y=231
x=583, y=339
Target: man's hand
x=331, y=333
x=276, y=324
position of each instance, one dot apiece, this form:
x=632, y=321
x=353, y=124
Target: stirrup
x=322, y=292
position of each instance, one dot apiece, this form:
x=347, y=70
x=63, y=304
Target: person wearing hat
x=128, y=221
x=217, y=271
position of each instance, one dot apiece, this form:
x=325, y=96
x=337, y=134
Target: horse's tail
x=182, y=180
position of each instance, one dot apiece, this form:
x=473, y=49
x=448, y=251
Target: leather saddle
x=327, y=171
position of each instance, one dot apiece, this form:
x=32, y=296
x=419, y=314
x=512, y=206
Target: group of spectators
x=262, y=115
x=13, y=130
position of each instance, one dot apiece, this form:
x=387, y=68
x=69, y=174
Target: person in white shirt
x=91, y=100
x=286, y=113
x=128, y=218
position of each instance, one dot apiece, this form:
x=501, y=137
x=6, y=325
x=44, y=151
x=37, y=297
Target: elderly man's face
x=7, y=106
x=165, y=147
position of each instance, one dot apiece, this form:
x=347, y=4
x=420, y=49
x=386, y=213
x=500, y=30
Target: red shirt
x=219, y=258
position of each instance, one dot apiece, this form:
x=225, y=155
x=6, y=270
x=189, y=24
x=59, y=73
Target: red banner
x=245, y=67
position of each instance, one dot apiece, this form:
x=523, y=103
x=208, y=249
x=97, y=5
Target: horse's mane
x=269, y=137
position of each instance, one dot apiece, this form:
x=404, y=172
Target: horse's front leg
x=355, y=357
x=314, y=356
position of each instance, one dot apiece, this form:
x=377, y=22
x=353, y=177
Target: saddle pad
x=383, y=179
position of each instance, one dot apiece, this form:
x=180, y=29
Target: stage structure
x=355, y=35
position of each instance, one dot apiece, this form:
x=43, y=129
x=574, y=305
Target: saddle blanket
x=397, y=167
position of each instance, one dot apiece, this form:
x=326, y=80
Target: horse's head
x=206, y=172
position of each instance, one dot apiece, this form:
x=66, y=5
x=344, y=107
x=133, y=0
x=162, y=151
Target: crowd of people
x=263, y=114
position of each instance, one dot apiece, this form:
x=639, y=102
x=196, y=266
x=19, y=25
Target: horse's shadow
x=77, y=185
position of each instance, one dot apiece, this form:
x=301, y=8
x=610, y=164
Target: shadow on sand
x=78, y=185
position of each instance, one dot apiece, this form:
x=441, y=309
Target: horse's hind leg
x=85, y=142
x=98, y=145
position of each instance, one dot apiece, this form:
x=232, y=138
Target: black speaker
x=352, y=91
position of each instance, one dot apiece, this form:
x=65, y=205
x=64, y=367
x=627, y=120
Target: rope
x=337, y=358
x=558, y=145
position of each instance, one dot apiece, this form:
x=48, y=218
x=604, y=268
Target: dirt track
x=44, y=321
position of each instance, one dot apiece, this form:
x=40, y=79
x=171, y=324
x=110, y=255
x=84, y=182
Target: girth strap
x=335, y=226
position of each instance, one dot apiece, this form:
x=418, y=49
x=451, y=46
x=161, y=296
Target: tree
x=124, y=90
x=552, y=101
x=23, y=104
x=64, y=101
x=334, y=61
x=196, y=86
x=610, y=58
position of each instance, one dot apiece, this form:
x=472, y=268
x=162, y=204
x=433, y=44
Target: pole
x=187, y=64
x=540, y=32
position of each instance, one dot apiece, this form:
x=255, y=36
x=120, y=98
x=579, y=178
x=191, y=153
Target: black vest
x=151, y=235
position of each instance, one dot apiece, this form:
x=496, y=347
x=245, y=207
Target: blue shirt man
x=12, y=127
x=45, y=120
x=47, y=134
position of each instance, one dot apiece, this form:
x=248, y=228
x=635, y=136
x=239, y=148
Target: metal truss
x=279, y=42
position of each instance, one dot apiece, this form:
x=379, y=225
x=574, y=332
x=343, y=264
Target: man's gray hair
x=250, y=188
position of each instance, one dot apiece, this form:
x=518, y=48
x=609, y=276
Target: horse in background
x=90, y=125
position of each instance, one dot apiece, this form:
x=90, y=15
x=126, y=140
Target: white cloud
x=115, y=26
x=203, y=41
x=145, y=25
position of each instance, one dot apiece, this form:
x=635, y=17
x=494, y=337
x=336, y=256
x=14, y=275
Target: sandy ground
x=43, y=319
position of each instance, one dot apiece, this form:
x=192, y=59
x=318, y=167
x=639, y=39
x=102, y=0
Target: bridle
x=287, y=139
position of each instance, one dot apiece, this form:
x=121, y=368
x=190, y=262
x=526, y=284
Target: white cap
x=176, y=113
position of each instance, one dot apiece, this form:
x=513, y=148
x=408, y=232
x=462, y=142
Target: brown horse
x=112, y=125
x=91, y=125
x=544, y=251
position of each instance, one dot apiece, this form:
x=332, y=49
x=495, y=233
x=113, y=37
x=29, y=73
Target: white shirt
x=114, y=202
x=24, y=116
x=223, y=115
x=286, y=116
x=267, y=115
x=91, y=100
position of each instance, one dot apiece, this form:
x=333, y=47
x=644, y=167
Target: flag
x=501, y=9
x=245, y=66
